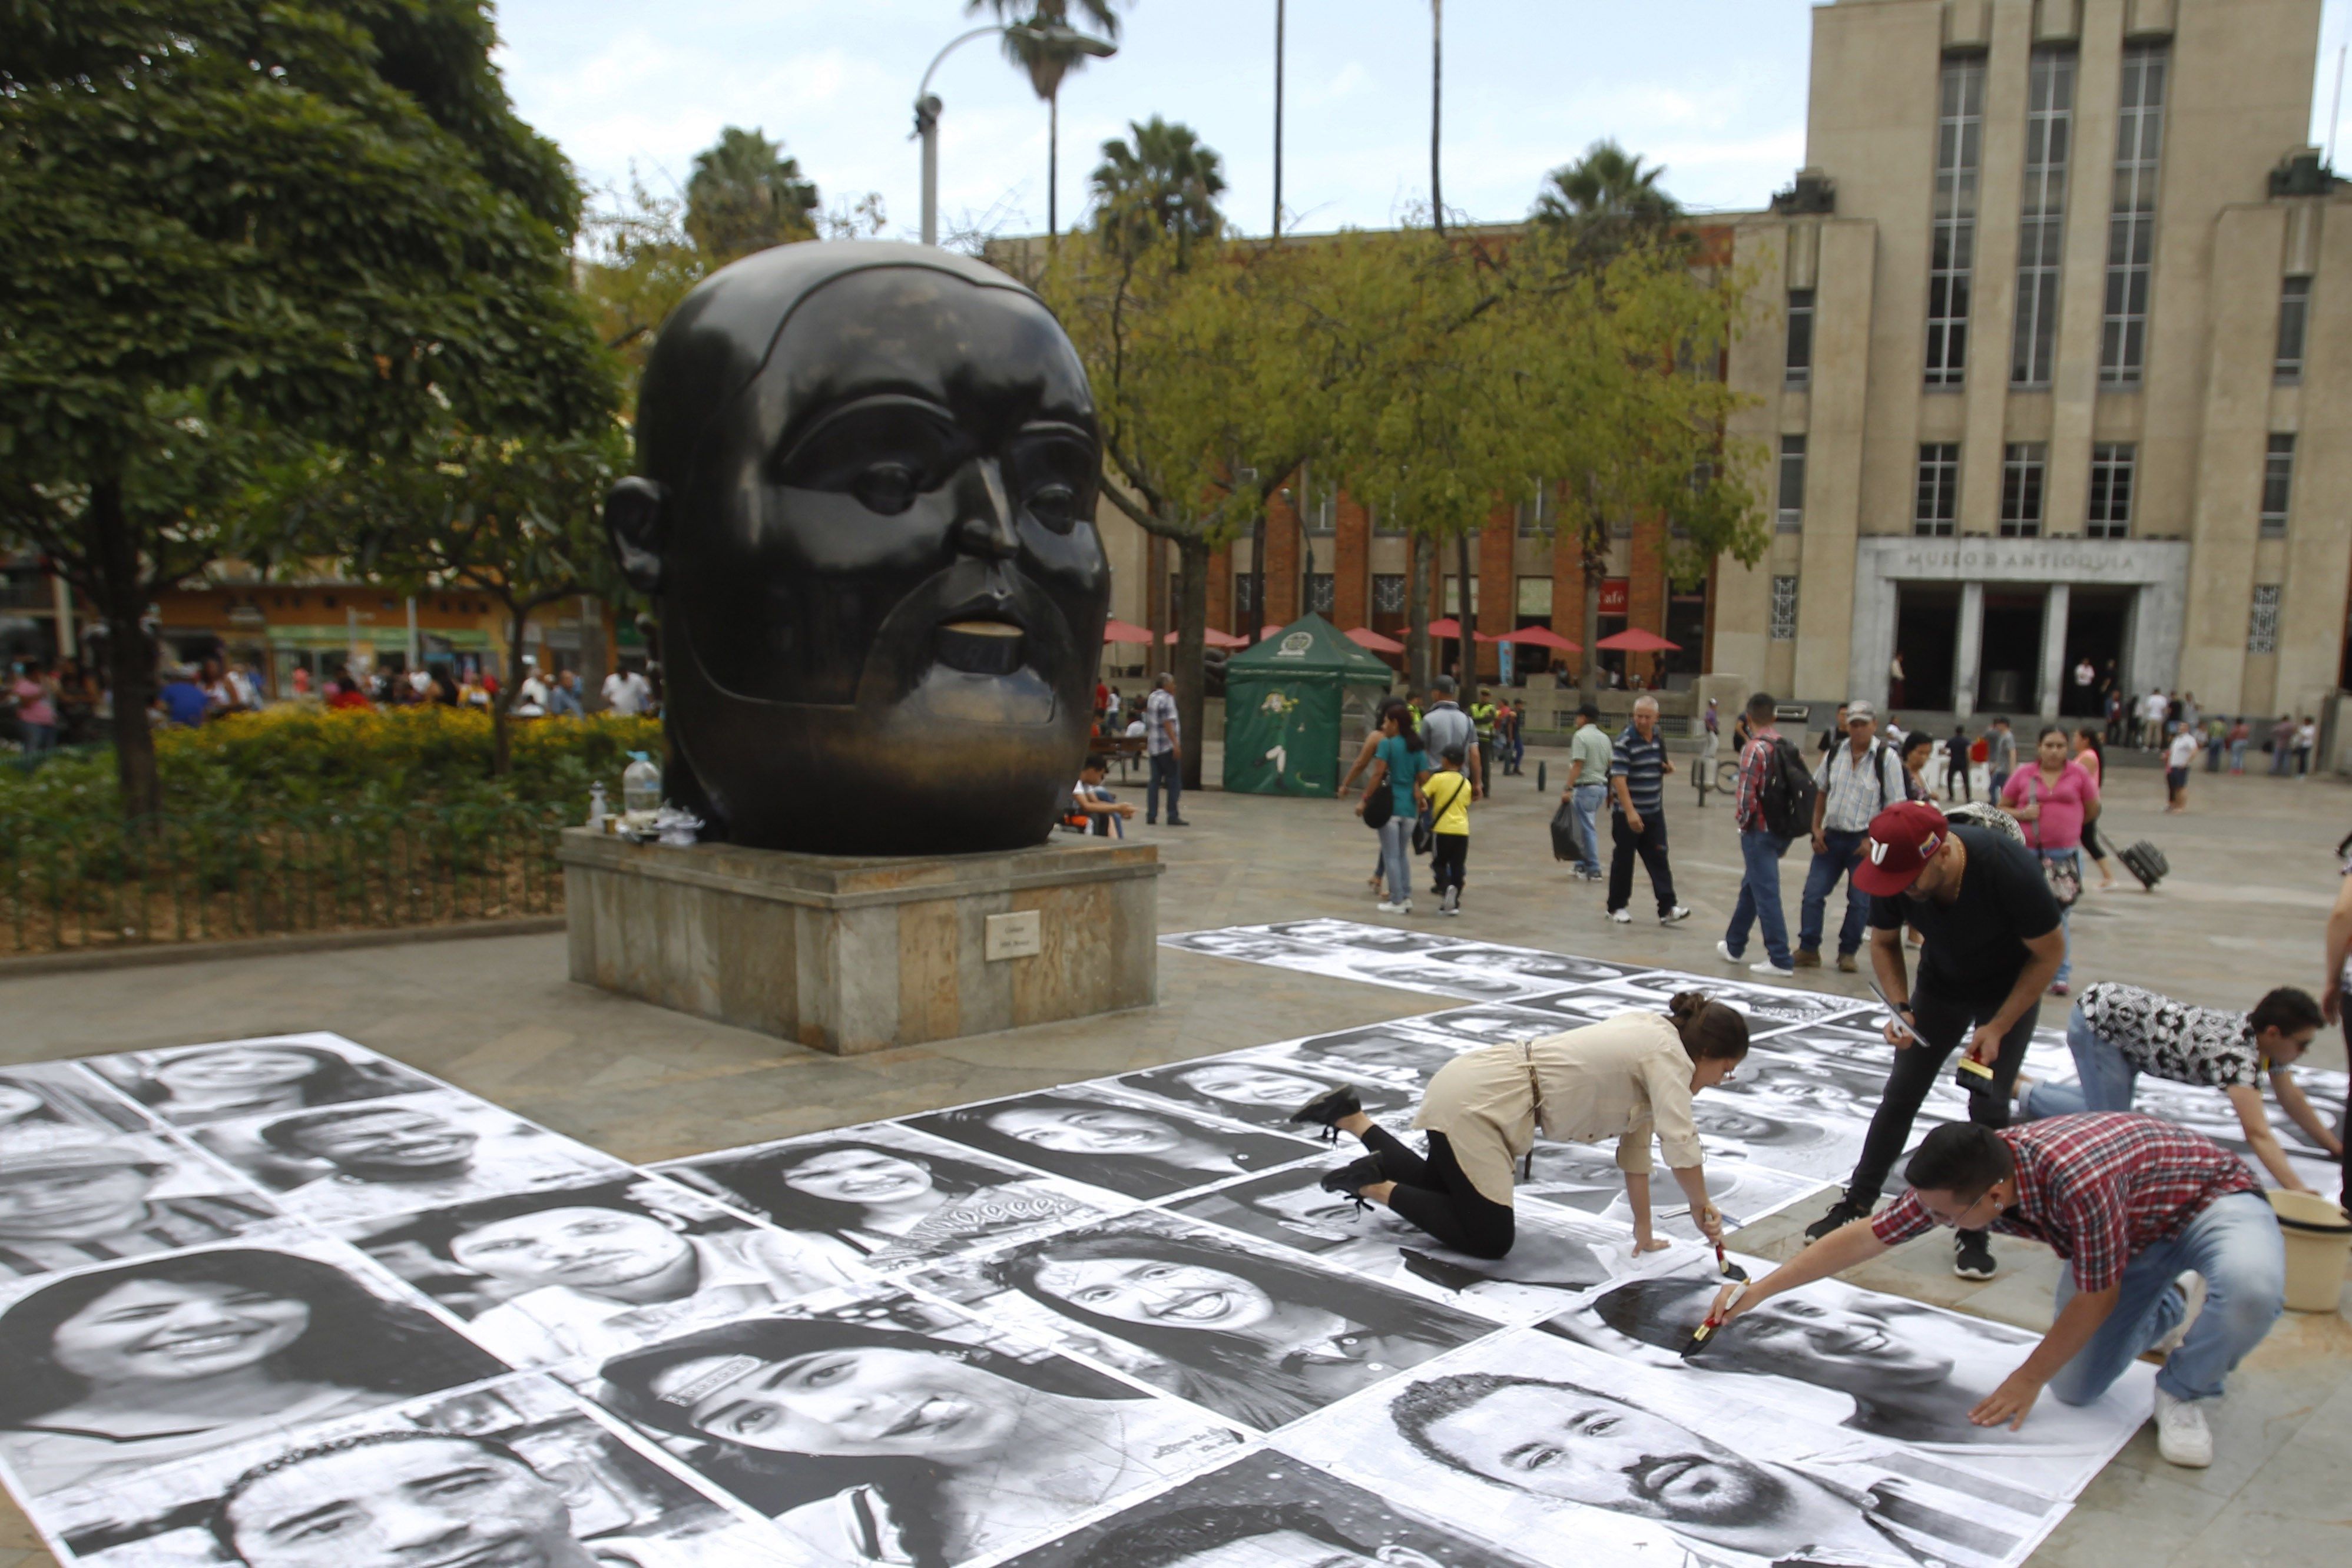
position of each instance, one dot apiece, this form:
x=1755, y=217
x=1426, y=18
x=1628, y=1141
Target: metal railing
x=79, y=884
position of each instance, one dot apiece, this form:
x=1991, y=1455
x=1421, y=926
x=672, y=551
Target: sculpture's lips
x=980, y=647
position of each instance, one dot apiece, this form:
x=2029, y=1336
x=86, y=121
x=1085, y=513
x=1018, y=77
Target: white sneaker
x=1766, y=966
x=1723, y=951
x=1621, y=916
x=2192, y=1285
x=1674, y=916
x=2182, y=1435
x=1386, y=908
x=1452, y=903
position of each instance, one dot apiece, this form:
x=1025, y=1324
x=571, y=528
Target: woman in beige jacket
x=1631, y=1078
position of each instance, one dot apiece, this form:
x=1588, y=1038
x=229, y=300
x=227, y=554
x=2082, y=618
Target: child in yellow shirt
x=1448, y=792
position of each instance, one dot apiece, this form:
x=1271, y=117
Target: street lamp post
x=927, y=107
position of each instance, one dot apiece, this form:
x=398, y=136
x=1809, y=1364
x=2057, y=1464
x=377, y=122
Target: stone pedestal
x=852, y=953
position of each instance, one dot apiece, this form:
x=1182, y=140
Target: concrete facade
x=2170, y=130
x=847, y=955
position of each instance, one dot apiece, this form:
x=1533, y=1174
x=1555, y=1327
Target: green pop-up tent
x=1292, y=704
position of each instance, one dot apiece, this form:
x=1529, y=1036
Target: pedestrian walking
x=1484, y=717
x=2091, y=756
x=2131, y=1204
x=1956, y=765
x=2001, y=757
x=1993, y=945
x=2281, y=746
x=1853, y=785
x=1631, y=1077
x=1834, y=736
x=1638, y=765
x=1447, y=792
x=2306, y=743
x=1765, y=811
x=2217, y=741
x=2118, y=1032
x=33, y=690
x=2178, y=755
x=1915, y=749
x=2153, y=713
x=1163, y=750
x=1443, y=724
x=2242, y=735
x=1398, y=763
x=1589, y=756
x=2053, y=801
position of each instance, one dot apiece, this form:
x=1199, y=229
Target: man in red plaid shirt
x=1760, y=850
x=2138, y=1208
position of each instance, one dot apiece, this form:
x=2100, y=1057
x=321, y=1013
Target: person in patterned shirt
x=2132, y=1204
x=2118, y=1032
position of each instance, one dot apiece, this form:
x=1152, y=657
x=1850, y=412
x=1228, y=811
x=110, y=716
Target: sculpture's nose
x=984, y=512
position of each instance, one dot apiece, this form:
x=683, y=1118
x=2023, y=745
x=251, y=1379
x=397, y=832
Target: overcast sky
x=1714, y=90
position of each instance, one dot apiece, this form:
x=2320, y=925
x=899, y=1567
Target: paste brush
x=1714, y=1320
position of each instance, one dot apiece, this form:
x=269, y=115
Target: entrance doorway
x=1926, y=631
x=2097, y=623
x=2011, y=660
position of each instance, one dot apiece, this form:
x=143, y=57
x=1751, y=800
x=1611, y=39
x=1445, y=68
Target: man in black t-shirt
x=1993, y=946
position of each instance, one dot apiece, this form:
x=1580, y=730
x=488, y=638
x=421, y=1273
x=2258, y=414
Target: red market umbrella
x=1215, y=639
x=1638, y=642
x=1117, y=631
x=1365, y=637
x=1542, y=637
x=1449, y=627
x=1266, y=632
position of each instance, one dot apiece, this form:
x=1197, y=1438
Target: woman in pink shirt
x=37, y=714
x=2053, y=800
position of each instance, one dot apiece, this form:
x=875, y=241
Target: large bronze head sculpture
x=864, y=498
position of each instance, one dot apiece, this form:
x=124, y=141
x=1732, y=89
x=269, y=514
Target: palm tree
x=1161, y=184
x=1436, y=91
x=1047, y=61
x=1606, y=201
x=745, y=196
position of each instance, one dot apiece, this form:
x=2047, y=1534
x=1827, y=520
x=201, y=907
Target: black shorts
x=2177, y=778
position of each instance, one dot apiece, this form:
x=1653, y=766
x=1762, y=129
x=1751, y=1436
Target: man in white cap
x=70, y=1198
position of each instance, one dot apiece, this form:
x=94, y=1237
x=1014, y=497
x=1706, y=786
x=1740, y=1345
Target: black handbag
x=1567, y=833
x=1379, y=805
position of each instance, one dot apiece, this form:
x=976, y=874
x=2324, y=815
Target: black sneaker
x=1349, y=1180
x=1972, y=1255
x=1327, y=1109
x=1842, y=1213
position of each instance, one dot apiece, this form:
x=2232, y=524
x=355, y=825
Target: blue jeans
x=2104, y=1079
x=2235, y=1244
x=2237, y=756
x=1165, y=769
x=1994, y=779
x=1760, y=896
x=2073, y=858
x=1820, y=881
x=1587, y=798
x=1396, y=856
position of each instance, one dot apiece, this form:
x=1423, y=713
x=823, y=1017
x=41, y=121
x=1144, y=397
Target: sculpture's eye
x=1052, y=469
x=1055, y=505
x=888, y=488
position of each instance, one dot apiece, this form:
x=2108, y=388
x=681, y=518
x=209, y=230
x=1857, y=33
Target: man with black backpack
x=1857, y=780
x=1772, y=805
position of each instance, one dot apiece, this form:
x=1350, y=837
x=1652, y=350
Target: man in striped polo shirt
x=1638, y=765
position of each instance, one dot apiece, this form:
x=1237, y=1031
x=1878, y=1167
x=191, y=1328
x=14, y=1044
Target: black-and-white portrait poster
x=1251, y=945
x=1585, y=1177
x=114, y=1371
x=228, y=1079
x=885, y=1197
x=1404, y=1052
x=1223, y=1321
x=1538, y=1015
x=1580, y=1458
x=1267, y=1510
x=1893, y=1369
x=1553, y=968
x=1766, y=1007
x=71, y=1196
x=554, y=1273
x=515, y=1472
x=1554, y=1256
x=1135, y=1148
x=877, y=1426
x=393, y=1156
x=45, y=1095
x=1262, y=1085
x=1352, y=935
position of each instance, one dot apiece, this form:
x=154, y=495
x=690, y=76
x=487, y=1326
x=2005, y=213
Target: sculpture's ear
x=635, y=523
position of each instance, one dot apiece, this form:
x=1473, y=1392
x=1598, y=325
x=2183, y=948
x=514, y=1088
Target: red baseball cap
x=1903, y=838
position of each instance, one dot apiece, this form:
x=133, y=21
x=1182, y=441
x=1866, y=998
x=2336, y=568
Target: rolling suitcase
x=2146, y=861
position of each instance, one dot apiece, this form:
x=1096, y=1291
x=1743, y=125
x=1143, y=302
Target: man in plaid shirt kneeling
x=2143, y=1212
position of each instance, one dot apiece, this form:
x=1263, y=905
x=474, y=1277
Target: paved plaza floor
x=2253, y=875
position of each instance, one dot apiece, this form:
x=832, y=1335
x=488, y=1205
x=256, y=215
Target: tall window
x=2278, y=486
x=2042, y=225
x=2111, y=491
x=2021, y=466
x=1386, y=521
x=2131, y=223
x=1960, y=135
x=1792, y=484
x=2261, y=620
x=1320, y=511
x=1937, y=509
x=1784, y=610
x=1799, y=371
x=1388, y=594
x=1245, y=594
x=2294, y=315
x=1535, y=513
x=1322, y=596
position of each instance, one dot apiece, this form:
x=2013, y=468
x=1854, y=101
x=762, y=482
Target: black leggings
x=2091, y=845
x=1436, y=1195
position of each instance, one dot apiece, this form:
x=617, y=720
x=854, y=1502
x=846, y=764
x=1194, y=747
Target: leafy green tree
x=1161, y=184
x=1604, y=203
x=229, y=224
x=744, y=195
x=1046, y=61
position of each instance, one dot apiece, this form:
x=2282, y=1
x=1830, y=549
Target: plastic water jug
x=641, y=784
